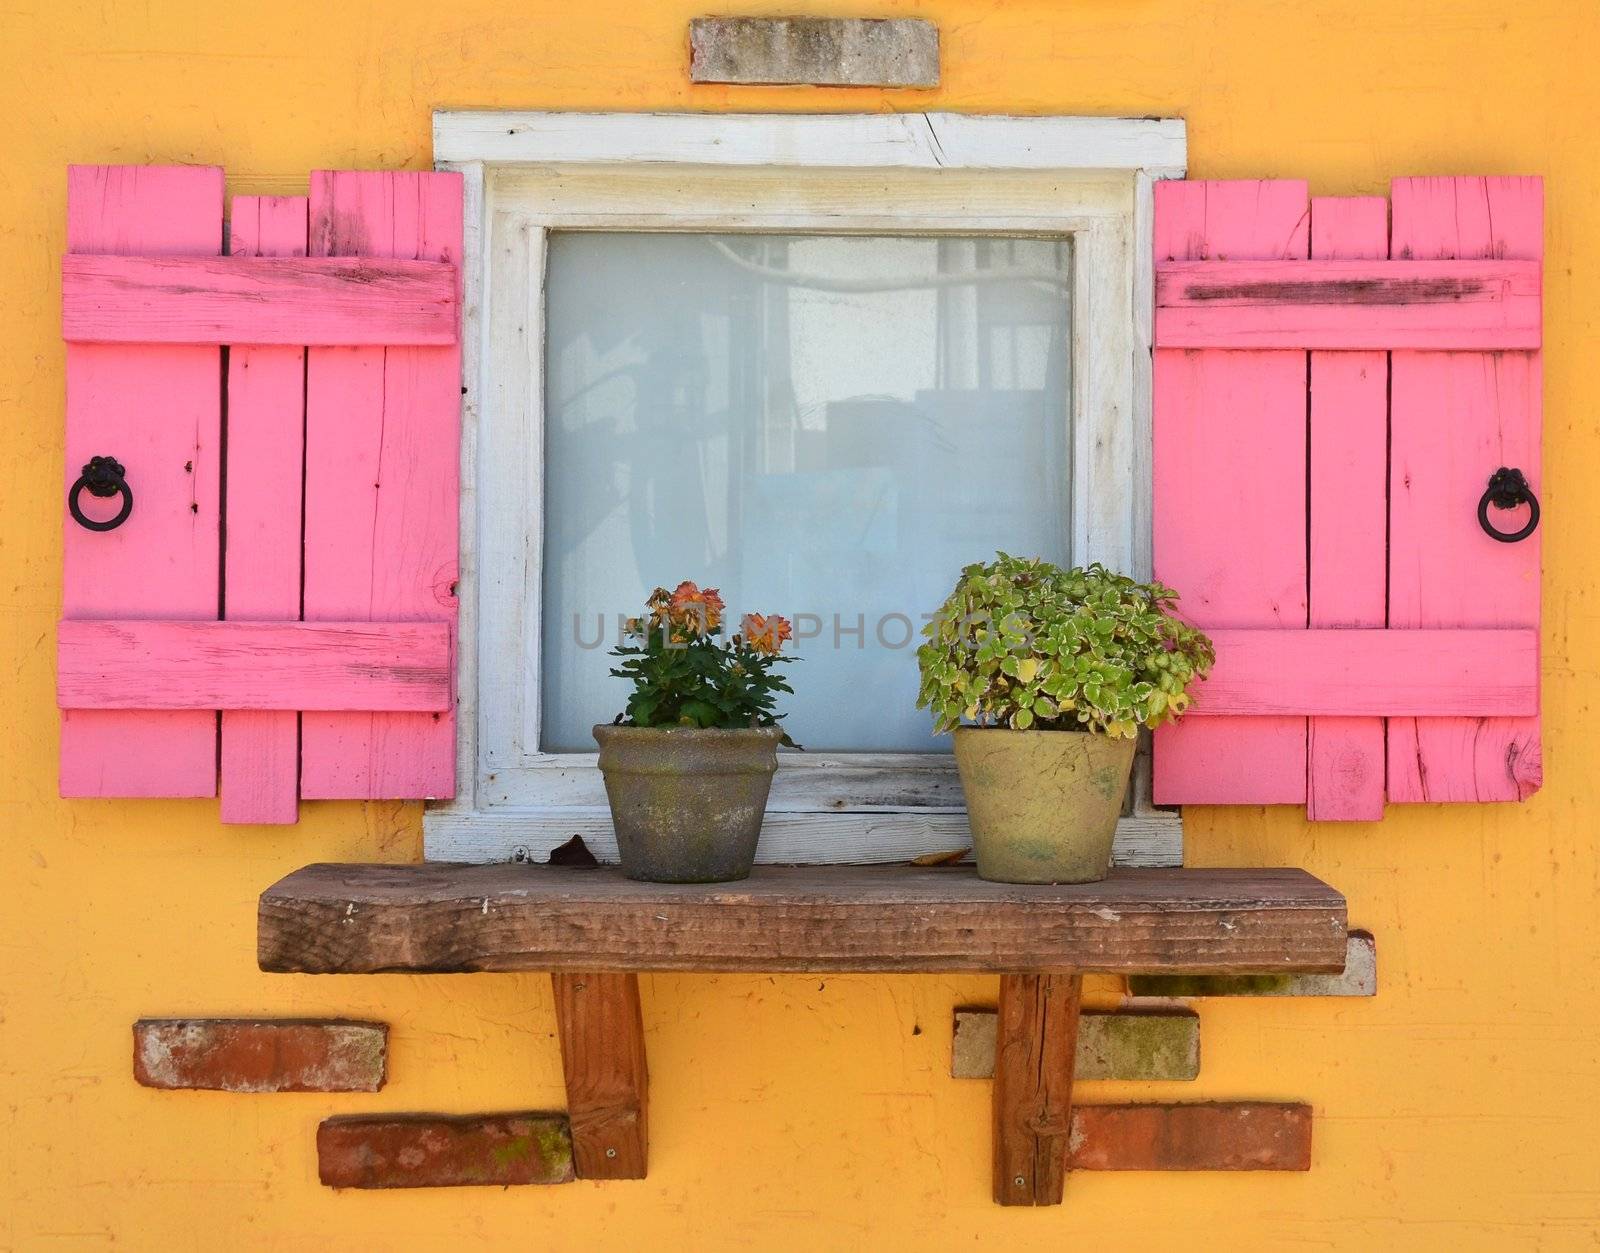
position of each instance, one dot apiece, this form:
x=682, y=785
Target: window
x=819, y=363
x=824, y=426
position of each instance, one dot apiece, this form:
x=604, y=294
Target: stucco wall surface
x=1456, y=1110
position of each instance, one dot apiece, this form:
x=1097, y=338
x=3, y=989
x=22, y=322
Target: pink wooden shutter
x=306, y=589
x=1332, y=395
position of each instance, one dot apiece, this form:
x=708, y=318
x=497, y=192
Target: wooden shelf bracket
x=1036, y=1047
x=608, y=1080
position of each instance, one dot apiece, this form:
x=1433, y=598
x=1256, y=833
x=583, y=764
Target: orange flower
x=699, y=610
x=660, y=603
x=766, y=634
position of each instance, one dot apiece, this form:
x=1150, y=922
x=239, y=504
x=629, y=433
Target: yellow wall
x=1457, y=1110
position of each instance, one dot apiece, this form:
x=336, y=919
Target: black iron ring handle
x=103, y=476
x=1507, y=489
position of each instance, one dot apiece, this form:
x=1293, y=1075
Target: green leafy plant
x=685, y=674
x=1024, y=644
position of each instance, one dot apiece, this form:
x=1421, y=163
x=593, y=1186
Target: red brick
x=436, y=1151
x=243, y=1055
x=1234, y=1135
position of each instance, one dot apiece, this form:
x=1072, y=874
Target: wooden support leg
x=1035, y=1048
x=602, y=1053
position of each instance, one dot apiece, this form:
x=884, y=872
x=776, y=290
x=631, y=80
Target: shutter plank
x=1369, y=674
x=1230, y=490
x=266, y=443
x=1348, y=302
x=159, y=412
x=1349, y=515
x=259, y=299
x=382, y=469
x=1455, y=418
x=254, y=665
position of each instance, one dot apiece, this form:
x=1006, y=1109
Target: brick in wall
x=1217, y=1135
x=245, y=1055
x=440, y=1151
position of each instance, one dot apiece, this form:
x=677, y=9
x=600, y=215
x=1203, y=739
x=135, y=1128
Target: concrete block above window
x=817, y=51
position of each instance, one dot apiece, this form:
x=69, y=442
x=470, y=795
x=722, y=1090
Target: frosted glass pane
x=826, y=427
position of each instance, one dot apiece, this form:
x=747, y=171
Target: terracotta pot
x=1043, y=804
x=687, y=803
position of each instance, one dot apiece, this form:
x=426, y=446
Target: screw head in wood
x=611, y=1152
x=1020, y=1181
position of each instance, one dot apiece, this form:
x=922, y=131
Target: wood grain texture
x=260, y=761
x=159, y=412
x=1341, y=303
x=1230, y=490
x=439, y=917
x=257, y=299
x=1354, y=673
x=1349, y=449
x=787, y=839
x=601, y=1026
x=931, y=141
x=1220, y=1135
x=254, y=665
x=1455, y=418
x=1035, y=1052
x=382, y=475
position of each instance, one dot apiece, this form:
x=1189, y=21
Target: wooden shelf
x=594, y=930
x=368, y=919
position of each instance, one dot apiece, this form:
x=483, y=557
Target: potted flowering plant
x=688, y=764
x=1045, y=676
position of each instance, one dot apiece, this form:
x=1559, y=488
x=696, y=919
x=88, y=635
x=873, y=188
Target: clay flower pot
x=1043, y=804
x=687, y=803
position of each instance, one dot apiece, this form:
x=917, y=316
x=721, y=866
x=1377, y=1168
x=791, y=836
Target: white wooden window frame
x=527, y=174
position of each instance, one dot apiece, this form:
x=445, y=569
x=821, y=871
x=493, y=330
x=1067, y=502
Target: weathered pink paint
x=158, y=411
x=144, y=664
x=382, y=441
x=1457, y=671
x=1455, y=418
x=1354, y=674
x=1349, y=516
x=378, y=499
x=257, y=300
x=1348, y=304
x=266, y=444
x=1230, y=490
